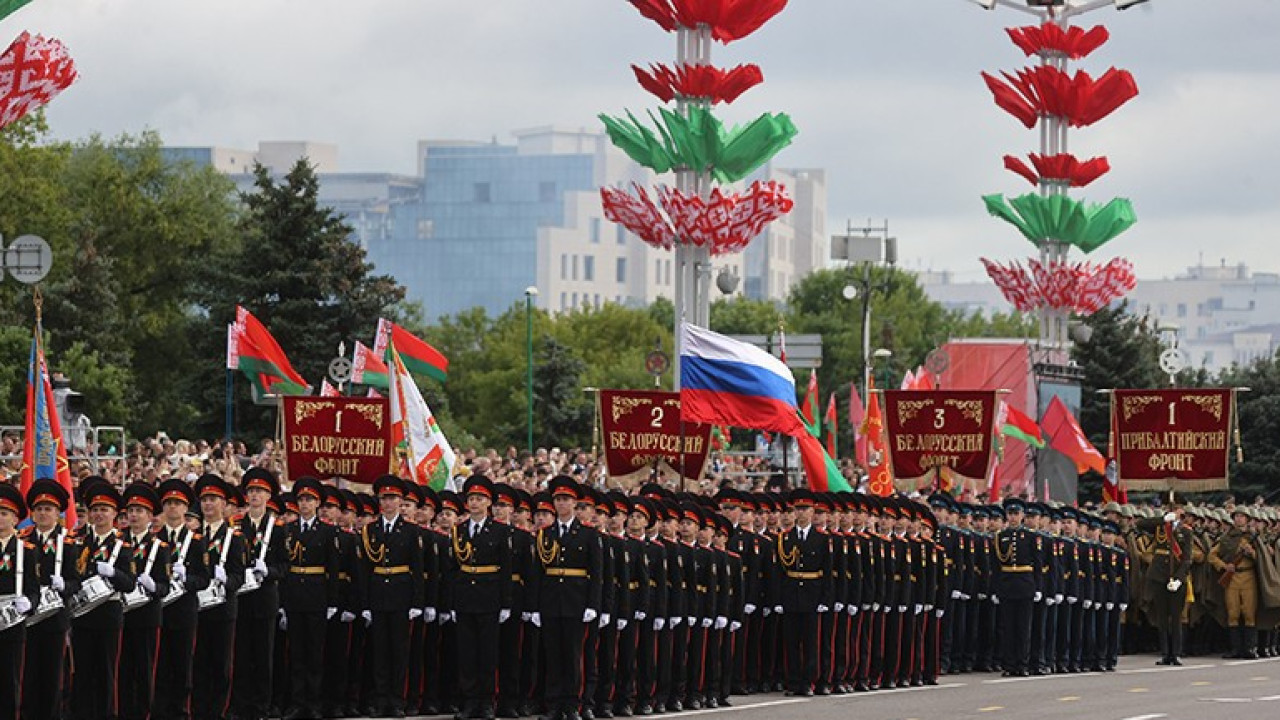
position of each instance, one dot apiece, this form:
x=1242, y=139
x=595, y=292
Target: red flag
x=1066, y=437
x=327, y=390
x=44, y=454
x=809, y=409
x=857, y=413
x=880, y=478
x=831, y=425
x=261, y=358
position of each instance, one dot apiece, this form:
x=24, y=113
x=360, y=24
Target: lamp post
x=883, y=357
x=530, y=293
x=865, y=249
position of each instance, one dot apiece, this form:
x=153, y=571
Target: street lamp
x=882, y=357
x=865, y=249
x=530, y=293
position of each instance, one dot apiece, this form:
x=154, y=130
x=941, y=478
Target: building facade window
x=589, y=267
x=564, y=266
x=595, y=231
x=547, y=191
x=575, y=272
x=622, y=270
x=426, y=229
x=483, y=192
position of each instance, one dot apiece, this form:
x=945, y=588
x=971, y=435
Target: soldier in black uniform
x=19, y=580
x=178, y=619
x=803, y=592
x=150, y=565
x=224, y=559
x=95, y=636
x=1016, y=583
x=651, y=613
x=42, y=675
x=338, y=629
x=569, y=582
x=634, y=522
x=257, y=615
x=309, y=597
x=611, y=513
x=510, y=687
x=479, y=562
x=393, y=594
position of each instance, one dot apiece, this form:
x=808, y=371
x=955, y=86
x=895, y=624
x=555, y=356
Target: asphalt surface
x=1202, y=689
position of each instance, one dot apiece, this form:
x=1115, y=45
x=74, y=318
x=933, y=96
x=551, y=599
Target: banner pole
x=226, y=434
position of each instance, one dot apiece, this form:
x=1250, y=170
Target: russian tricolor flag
x=727, y=382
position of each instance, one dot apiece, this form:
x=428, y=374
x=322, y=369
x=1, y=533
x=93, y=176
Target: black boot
x=1249, y=643
x=1233, y=637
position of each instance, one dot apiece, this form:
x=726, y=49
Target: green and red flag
x=418, y=356
x=9, y=7
x=831, y=426
x=252, y=351
x=809, y=408
x=428, y=459
x=1018, y=425
x=820, y=469
x=368, y=368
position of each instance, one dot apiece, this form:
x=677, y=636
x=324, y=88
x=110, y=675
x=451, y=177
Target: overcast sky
x=886, y=94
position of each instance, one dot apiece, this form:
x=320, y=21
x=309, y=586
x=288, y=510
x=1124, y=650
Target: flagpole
x=226, y=435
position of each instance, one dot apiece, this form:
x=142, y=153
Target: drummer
x=20, y=584
x=42, y=674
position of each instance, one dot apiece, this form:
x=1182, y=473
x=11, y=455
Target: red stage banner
x=1173, y=439
x=348, y=438
x=932, y=429
x=642, y=431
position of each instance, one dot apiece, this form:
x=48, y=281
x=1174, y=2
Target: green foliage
x=15, y=356
x=1123, y=352
x=1259, y=420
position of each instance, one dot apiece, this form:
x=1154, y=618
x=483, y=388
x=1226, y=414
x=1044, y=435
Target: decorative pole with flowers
x=1048, y=95
x=696, y=217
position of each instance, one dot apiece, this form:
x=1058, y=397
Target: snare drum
x=136, y=599
x=176, y=590
x=50, y=604
x=9, y=615
x=251, y=583
x=94, y=592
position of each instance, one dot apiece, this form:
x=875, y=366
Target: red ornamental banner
x=348, y=438
x=932, y=429
x=1172, y=439
x=642, y=431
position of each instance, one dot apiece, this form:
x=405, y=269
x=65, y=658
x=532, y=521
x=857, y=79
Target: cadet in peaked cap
x=11, y=500
x=309, y=486
x=564, y=485
x=141, y=494
x=48, y=491
x=449, y=500
x=288, y=505
x=388, y=485
x=478, y=485
x=102, y=493
x=260, y=478
x=801, y=497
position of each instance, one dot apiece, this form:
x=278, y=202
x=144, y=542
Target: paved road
x=1203, y=689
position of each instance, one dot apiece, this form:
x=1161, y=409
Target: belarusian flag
x=259, y=357
x=429, y=459
x=831, y=421
x=856, y=415
x=809, y=409
x=8, y=7
x=418, y=356
x=1018, y=425
x=327, y=390
x=368, y=368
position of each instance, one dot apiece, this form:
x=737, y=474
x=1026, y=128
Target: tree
x=300, y=274
x=562, y=412
x=1122, y=352
x=1259, y=420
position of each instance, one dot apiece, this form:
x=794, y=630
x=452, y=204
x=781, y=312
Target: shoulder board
x=28, y=545
x=164, y=544
x=196, y=536
x=280, y=523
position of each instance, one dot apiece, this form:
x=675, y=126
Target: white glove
x=604, y=620
x=622, y=624
x=1048, y=602
x=766, y=611
x=57, y=583
x=749, y=609
x=1037, y=597
x=429, y=614
x=692, y=621
x=259, y=569
x=839, y=607
x=875, y=607
x=220, y=574
x=721, y=622
x=675, y=621
x=938, y=613
x=928, y=607
x=866, y=607
x=777, y=609
x=536, y=619
x=368, y=617
x=902, y=608
x=589, y=615
x=414, y=614
x=22, y=604
x=525, y=616
x=1088, y=604
x=964, y=596
x=706, y=622
x=1057, y=598
x=981, y=596
x=640, y=615
x=180, y=572
x=735, y=626
x=1174, y=585
x=347, y=616
x=1124, y=607
x=956, y=594
x=147, y=583
x=1170, y=516
x=658, y=624
x=1110, y=606
x=329, y=612
x=106, y=570
x=284, y=621
x=919, y=609
x=1072, y=600
x=851, y=609
x=995, y=599
x=503, y=615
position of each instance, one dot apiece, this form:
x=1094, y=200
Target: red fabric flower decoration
x=729, y=20
x=698, y=81
x=1044, y=90
x=1061, y=168
x=1073, y=42
x=33, y=70
x=725, y=221
x=1082, y=288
